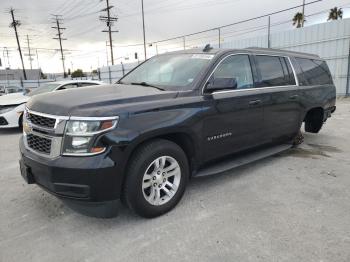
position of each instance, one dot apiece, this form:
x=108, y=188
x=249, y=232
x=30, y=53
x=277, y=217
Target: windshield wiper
x=146, y=84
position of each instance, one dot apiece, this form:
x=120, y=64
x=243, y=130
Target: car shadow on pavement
x=53, y=208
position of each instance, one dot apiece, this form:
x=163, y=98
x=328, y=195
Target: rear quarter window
x=314, y=72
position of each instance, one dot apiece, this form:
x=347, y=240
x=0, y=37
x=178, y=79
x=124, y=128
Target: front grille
x=41, y=121
x=3, y=121
x=39, y=144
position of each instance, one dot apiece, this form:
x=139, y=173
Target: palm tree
x=335, y=13
x=298, y=19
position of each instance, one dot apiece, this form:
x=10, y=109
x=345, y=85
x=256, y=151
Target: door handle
x=293, y=97
x=254, y=102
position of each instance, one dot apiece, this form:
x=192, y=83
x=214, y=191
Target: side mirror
x=221, y=84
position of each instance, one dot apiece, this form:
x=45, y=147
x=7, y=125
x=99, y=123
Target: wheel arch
x=183, y=139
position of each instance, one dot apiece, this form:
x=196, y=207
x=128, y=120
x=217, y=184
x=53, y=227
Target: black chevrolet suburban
x=174, y=117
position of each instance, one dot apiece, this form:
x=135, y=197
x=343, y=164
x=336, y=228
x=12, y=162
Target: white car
x=12, y=105
x=11, y=90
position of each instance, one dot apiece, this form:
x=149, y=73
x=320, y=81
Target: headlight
x=80, y=135
x=6, y=109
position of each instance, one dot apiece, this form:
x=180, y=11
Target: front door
x=234, y=120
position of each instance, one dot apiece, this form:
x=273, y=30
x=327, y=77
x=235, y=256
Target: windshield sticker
x=202, y=56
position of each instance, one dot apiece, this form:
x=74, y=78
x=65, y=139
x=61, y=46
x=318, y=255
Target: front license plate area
x=26, y=173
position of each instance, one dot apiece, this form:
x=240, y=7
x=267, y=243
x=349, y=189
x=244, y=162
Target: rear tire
x=314, y=121
x=157, y=176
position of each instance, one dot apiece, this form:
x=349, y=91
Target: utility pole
x=58, y=22
x=303, y=12
x=29, y=53
x=143, y=28
x=15, y=23
x=219, y=31
x=109, y=22
x=6, y=51
x=107, y=52
x=37, y=58
x=268, y=32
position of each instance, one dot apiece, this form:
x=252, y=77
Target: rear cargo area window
x=314, y=72
x=274, y=71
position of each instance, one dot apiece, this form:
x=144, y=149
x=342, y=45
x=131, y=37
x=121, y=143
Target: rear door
x=282, y=117
x=235, y=120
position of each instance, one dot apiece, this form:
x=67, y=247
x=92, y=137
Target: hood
x=106, y=100
x=13, y=99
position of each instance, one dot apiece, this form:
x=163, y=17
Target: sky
x=85, y=46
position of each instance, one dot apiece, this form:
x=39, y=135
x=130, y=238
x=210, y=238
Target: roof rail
x=261, y=49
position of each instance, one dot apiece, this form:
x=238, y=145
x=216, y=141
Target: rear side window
x=315, y=72
x=86, y=84
x=274, y=71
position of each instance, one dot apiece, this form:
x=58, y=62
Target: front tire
x=156, y=178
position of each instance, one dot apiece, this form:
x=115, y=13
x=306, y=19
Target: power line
x=15, y=23
x=58, y=21
x=239, y=22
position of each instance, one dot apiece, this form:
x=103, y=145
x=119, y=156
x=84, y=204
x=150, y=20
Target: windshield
x=44, y=89
x=11, y=90
x=173, y=70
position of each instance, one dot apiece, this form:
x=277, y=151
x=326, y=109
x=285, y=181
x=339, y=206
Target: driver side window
x=236, y=67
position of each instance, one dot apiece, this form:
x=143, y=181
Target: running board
x=241, y=160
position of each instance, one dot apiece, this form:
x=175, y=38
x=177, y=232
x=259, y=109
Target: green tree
x=335, y=14
x=298, y=19
x=78, y=73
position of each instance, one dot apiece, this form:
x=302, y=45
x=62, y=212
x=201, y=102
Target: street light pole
x=143, y=27
x=302, y=22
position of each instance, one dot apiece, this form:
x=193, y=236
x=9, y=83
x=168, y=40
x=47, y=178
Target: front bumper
x=92, y=179
x=9, y=119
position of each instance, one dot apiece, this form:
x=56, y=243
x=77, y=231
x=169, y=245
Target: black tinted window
x=237, y=67
x=86, y=84
x=274, y=71
x=315, y=72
